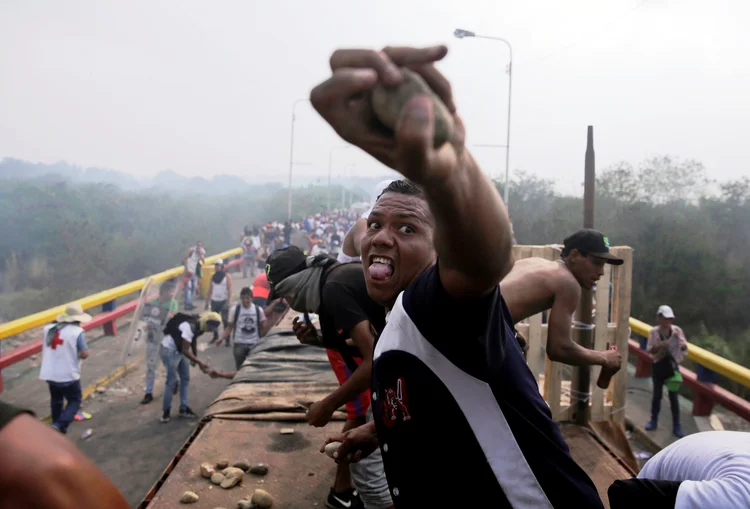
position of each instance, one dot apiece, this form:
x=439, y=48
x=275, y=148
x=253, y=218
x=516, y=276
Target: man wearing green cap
x=535, y=285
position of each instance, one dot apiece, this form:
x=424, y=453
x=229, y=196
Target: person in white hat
x=667, y=343
x=63, y=348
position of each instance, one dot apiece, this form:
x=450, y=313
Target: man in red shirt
x=260, y=289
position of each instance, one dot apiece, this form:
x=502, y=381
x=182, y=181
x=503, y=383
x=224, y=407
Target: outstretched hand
x=344, y=102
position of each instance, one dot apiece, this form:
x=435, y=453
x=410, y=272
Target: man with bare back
x=535, y=285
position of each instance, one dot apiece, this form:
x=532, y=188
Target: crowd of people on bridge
x=417, y=301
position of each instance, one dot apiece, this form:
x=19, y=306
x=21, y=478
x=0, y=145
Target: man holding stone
x=452, y=395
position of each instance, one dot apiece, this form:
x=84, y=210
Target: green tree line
x=691, y=238
x=61, y=241
x=690, y=235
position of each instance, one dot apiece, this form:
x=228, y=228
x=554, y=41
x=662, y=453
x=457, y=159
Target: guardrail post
x=702, y=404
x=110, y=328
x=642, y=367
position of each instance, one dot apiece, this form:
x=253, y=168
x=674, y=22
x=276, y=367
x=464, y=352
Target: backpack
x=237, y=315
x=337, y=343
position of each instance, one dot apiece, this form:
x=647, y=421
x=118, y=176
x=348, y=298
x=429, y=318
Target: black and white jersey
x=459, y=416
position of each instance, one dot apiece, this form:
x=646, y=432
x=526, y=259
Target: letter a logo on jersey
x=395, y=402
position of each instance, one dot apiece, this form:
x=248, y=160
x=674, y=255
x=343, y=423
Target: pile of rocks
x=221, y=474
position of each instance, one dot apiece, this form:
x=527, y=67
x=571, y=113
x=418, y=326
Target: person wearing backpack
x=178, y=347
x=337, y=293
x=248, y=324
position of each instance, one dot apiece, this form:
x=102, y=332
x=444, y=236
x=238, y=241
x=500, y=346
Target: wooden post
x=601, y=340
x=623, y=275
x=110, y=328
x=583, y=313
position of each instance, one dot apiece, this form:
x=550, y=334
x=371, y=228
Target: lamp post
x=330, y=167
x=291, y=161
x=466, y=33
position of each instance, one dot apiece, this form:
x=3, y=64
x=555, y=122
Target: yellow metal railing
x=44, y=317
x=720, y=365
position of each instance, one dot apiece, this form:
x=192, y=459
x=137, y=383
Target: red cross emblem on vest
x=56, y=341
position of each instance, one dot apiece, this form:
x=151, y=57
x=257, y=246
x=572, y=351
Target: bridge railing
x=106, y=319
x=703, y=382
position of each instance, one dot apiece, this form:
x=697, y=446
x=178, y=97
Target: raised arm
x=473, y=234
x=352, y=245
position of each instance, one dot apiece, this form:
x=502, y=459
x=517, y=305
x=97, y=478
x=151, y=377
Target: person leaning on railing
x=668, y=345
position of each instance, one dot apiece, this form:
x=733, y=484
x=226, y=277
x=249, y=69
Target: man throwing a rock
x=452, y=395
x=535, y=285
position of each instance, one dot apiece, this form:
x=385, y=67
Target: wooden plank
x=612, y=340
x=601, y=341
x=624, y=278
x=536, y=354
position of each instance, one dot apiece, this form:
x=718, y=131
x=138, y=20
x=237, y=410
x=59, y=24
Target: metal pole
x=291, y=162
x=467, y=33
x=507, y=135
x=583, y=314
x=330, y=169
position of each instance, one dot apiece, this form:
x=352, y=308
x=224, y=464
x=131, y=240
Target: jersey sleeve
x=473, y=334
x=343, y=306
x=262, y=314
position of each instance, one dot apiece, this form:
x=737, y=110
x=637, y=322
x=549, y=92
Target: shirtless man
x=535, y=285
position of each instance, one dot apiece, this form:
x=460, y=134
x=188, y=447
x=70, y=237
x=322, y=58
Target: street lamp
x=466, y=33
x=330, y=166
x=291, y=161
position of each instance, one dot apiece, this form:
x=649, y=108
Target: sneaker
x=165, y=416
x=187, y=413
x=348, y=499
x=677, y=430
x=651, y=426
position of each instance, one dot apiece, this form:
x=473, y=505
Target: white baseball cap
x=665, y=311
x=219, y=261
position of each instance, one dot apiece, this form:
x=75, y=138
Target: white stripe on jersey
x=479, y=406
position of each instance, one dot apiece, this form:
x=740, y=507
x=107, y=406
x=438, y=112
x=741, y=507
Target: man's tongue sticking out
x=380, y=271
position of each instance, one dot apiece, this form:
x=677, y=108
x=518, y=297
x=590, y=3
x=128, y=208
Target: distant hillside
x=165, y=181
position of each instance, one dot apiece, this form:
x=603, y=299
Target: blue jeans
x=175, y=363
x=59, y=391
x=153, y=352
x=190, y=285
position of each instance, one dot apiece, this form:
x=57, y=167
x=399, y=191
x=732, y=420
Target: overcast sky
x=203, y=88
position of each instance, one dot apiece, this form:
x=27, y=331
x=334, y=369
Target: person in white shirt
x=248, y=323
x=709, y=470
x=194, y=257
x=178, y=347
x=63, y=348
x=220, y=292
